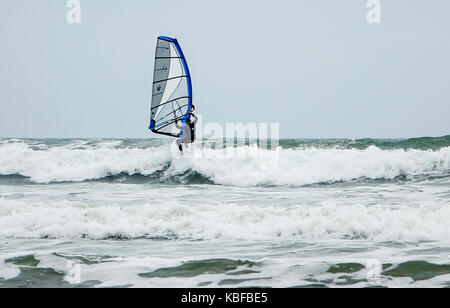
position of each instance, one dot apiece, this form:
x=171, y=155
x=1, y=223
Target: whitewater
x=305, y=213
x=80, y=161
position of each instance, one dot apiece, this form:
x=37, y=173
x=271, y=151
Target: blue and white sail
x=172, y=88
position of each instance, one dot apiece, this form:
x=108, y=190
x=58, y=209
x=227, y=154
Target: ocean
x=308, y=213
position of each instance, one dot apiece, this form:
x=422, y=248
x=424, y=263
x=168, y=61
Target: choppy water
x=309, y=213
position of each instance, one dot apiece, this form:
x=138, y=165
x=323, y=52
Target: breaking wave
x=159, y=162
x=208, y=221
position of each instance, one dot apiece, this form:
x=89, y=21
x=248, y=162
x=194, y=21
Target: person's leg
x=180, y=147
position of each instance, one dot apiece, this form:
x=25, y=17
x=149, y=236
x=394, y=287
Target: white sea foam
x=294, y=233
x=294, y=167
x=324, y=220
x=297, y=167
x=64, y=164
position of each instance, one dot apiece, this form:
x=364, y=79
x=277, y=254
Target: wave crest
x=292, y=167
x=173, y=220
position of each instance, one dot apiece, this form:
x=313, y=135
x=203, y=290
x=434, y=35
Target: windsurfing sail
x=172, y=88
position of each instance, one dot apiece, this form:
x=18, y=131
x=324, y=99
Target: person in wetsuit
x=188, y=131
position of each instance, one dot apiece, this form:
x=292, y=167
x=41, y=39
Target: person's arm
x=195, y=118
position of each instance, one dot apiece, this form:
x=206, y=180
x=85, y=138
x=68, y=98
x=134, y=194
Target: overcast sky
x=316, y=67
